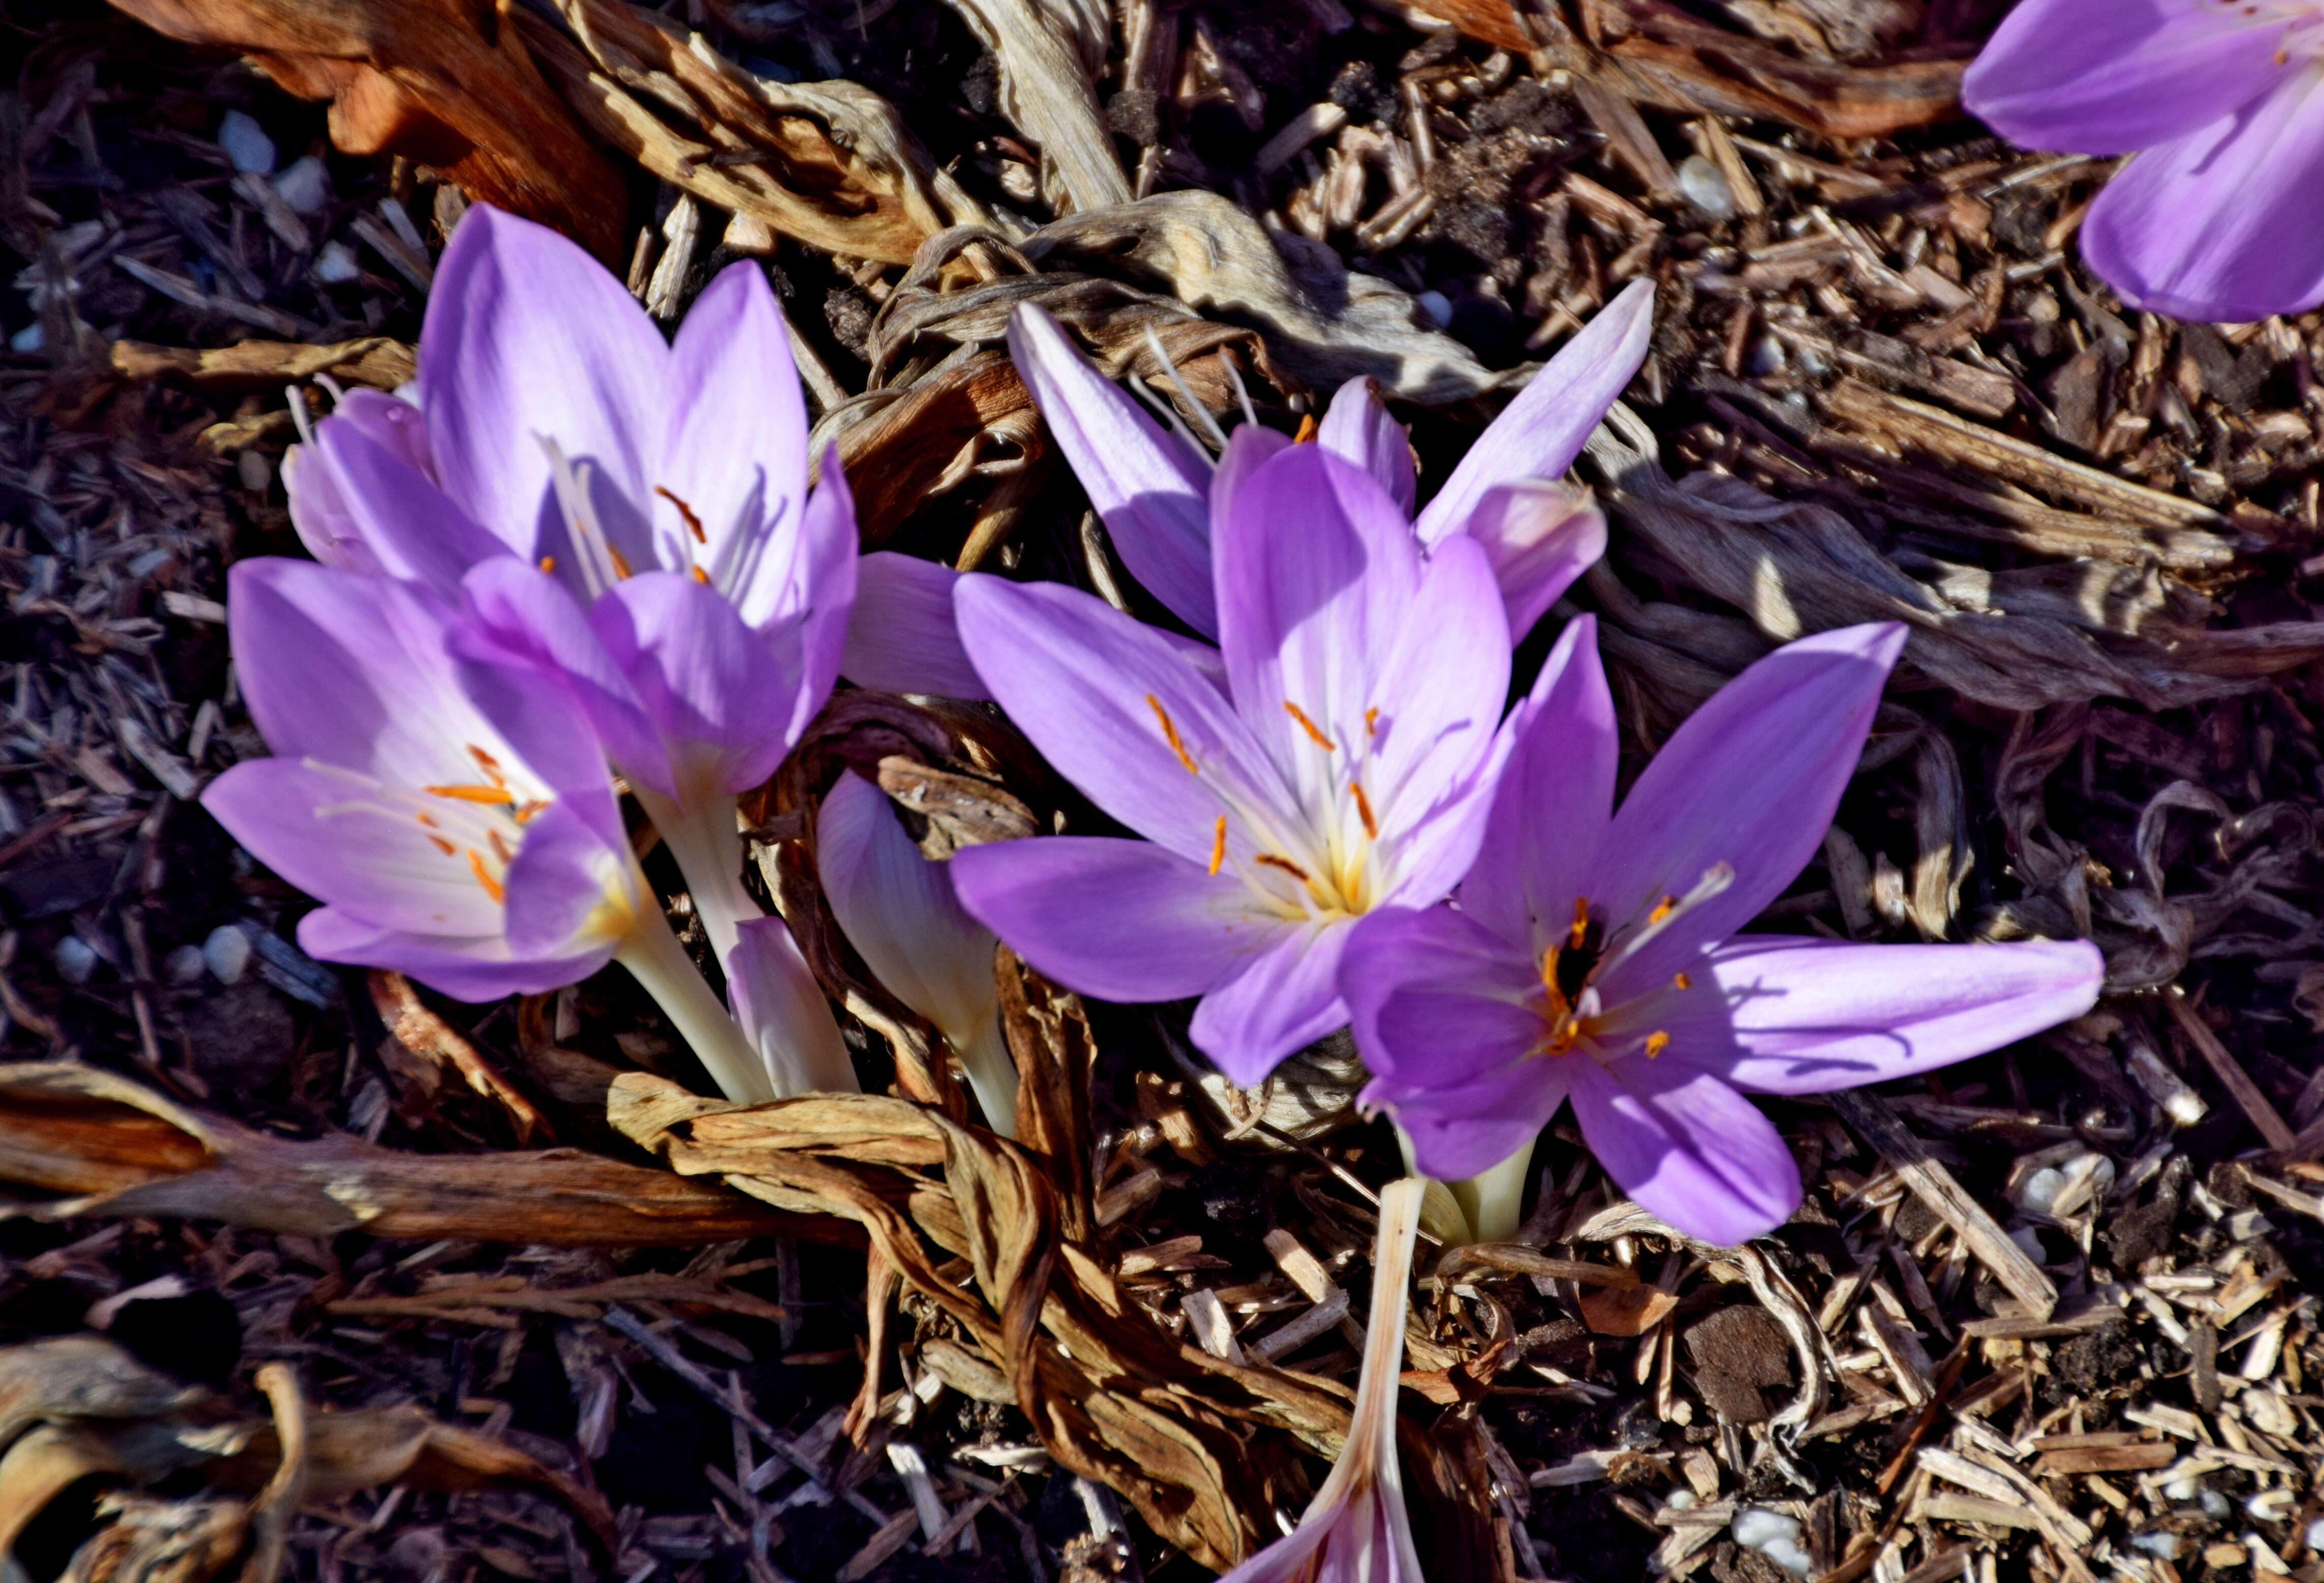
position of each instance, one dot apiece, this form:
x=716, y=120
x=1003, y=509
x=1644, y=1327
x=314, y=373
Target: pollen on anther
x=1218, y=845
x=549, y=563
x=491, y=796
x=1315, y=732
x=1285, y=864
x=484, y=876
x=1372, y=721
x=1681, y=981
x=488, y=764
x=1170, y=735
x=1662, y=909
x=621, y=563
x=441, y=845
x=692, y=522
x=700, y=576
x=1364, y=809
x=1308, y=429
x=500, y=848
x=1656, y=1042
x=1579, y=930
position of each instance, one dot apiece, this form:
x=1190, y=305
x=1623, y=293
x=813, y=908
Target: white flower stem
x=1494, y=1200
x=656, y=961
x=701, y=835
x=991, y=1074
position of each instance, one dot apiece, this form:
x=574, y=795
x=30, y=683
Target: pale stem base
x=659, y=964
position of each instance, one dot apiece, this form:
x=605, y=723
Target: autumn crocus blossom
x=456, y=822
x=1592, y=956
x=2221, y=214
x=1161, y=500
x=1342, y=761
x=1355, y=1529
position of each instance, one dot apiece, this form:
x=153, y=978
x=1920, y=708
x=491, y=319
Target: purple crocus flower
x=1159, y=498
x=456, y=822
x=2221, y=216
x=1342, y=762
x=1355, y=1529
x=1593, y=955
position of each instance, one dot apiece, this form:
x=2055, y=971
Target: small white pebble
x=2040, y=1191
x=30, y=338
x=1437, y=306
x=255, y=471
x=2214, y=1504
x=1705, y=187
x=226, y=953
x=336, y=265
x=2156, y=1542
x=2315, y=1534
x=1757, y=1528
x=2185, y=1487
x=1680, y=1500
x=76, y=959
x=1790, y=1555
x=1767, y=356
x=305, y=184
x=245, y=143
x=184, y=964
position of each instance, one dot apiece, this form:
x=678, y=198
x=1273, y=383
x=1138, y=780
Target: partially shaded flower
x=1355, y=1529
x=898, y=910
x=1160, y=498
x=2221, y=216
x=1593, y=956
x=456, y=822
x=1340, y=763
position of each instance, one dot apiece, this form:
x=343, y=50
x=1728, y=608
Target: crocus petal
x=1151, y=488
x=722, y=701
x=2119, y=75
x=783, y=1013
x=1685, y=1145
x=1359, y=427
x=412, y=528
x=1093, y=689
x=519, y=624
x=569, y=889
x=1554, y=799
x=1750, y=780
x=340, y=836
x=1286, y=997
x=1540, y=535
x=902, y=636
x=733, y=443
x=2225, y=223
x=527, y=336
x=898, y=910
x=388, y=421
x=318, y=511
x=475, y=970
x=1775, y=1015
x=1122, y=920
x=1542, y=431
x=1249, y=447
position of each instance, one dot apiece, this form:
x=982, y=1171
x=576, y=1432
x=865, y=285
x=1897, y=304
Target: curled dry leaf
x=376, y=361
x=118, y=1149
x=1041, y=1323
x=1658, y=53
x=828, y=164
x=75, y=1407
x=1051, y=53
x=446, y=83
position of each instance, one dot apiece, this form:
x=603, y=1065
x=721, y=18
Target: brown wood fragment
x=376, y=361
x=2256, y=1106
x=413, y=1025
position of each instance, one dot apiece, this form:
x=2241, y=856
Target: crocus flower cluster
x=1305, y=798
x=1355, y=1529
x=2221, y=214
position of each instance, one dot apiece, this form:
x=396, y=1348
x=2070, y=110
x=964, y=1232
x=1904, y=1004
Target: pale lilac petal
x=1460, y=1130
x=734, y=440
x=902, y=636
x=2106, y=77
x=569, y=888
x=1286, y=997
x=1540, y=433
x=1776, y=1015
x=1686, y=1146
x=476, y=970
x=782, y=1012
x=2225, y=223
x=723, y=704
x=1151, y=488
x=1750, y=780
x=521, y=624
x=1554, y=799
x=898, y=910
x=320, y=514
x=527, y=336
x=1249, y=447
x=1359, y=427
x=411, y=529
x=1540, y=537
x=388, y=421
x=1091, y=687
x=345, y=840
x=1122, y=920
